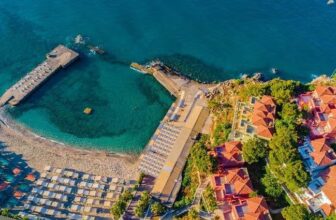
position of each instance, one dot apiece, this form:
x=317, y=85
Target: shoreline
x=39, y=152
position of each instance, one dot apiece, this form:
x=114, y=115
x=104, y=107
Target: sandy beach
x=40, y=152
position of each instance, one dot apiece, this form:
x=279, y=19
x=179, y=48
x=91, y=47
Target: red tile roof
x=324, y=90
x=327, y=209
x=329, y=187
x=233, y=146
x=320, y=145
x=263, y=117
x=254, y=208
x=265, y=132
x=322, y=158
x=331, y=125
x=239, y=180
x=267, y=100
x=229, y=154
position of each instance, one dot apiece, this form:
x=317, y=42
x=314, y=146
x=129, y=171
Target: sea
x=209, y=40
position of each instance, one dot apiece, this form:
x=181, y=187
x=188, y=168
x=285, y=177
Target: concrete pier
x=163, y=74
x=167, y=151
x=60, y=57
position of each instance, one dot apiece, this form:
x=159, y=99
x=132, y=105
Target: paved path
x=199, y=192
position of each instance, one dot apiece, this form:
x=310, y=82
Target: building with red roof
x=229, y=154
x=320, y=195
x=263, y=117
x=322, y=105
x=232, y=184
x=233, y=187
x=255, y=118
x=318, y=156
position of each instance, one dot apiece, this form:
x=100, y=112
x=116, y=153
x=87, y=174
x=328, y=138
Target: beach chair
x=74, y=216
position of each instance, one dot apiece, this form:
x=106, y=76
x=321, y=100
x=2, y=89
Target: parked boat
x=95, y=49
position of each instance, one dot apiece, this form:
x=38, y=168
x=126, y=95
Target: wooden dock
x=58, y=58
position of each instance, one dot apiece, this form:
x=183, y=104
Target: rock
x=257, y=76
x=244, y=76
x=88, y=111
x=321, y=79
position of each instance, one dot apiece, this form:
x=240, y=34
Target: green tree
x=331, y=217
x=296, y=212
x=157, y=208
x=221, y=133
x=290, y=113
x=256, y=89
x=5, y=212
x=271, y=184
x=127, y=195
x=254, y=149
x=118, y=209
x=142, y=205
x=295, y=175
x=202, y=160
x=193, y=214
x=283, y=90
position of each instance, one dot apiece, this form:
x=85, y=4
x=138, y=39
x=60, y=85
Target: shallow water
x=208, y=40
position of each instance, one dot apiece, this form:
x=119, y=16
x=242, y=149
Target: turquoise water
x=208, y=40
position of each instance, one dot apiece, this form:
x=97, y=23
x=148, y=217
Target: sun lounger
x=74, y=216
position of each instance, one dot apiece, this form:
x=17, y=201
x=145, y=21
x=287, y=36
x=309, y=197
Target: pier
x=166, y=153
x=163, y=74
x=58, y=58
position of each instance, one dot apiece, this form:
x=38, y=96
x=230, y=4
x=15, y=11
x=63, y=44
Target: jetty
x=58, y=58
x=166, y=153
x=164, y=75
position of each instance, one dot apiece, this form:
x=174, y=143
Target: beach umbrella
x=9, y=178
x=4, y=162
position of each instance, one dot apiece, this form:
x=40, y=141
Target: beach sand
x=39, y=152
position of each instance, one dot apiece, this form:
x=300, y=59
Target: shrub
x=157, y=208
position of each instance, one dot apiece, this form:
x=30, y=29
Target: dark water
x=207, y=40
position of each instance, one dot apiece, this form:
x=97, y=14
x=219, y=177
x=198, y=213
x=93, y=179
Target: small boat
x=96, y=49
x=274, y=71
x=79, y=39
x=330, y=2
